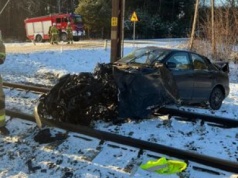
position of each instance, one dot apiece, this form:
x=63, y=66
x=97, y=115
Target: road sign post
x=134, y=19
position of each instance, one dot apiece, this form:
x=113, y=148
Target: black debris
x=32, y=168
x=81, y=98
x=107, y=94
x=44, y=136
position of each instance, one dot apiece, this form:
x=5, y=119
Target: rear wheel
x=38, y=38
x=216, y=98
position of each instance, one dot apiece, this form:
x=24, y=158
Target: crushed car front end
x=143, y=86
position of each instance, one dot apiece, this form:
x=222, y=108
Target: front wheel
x=216, y=98
x=38, y=38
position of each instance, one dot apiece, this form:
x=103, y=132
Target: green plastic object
x=164, y=166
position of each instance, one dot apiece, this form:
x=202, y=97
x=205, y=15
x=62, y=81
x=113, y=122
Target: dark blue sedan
x=198, y=80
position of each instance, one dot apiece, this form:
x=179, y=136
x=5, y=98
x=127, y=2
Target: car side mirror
x=171, y=65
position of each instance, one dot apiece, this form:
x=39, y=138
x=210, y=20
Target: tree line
x=157, y=18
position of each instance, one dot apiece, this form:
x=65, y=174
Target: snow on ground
x=45, y=67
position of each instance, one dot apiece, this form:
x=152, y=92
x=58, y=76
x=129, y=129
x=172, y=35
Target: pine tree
x=96, y=16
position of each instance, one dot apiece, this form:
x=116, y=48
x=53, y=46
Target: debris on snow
x=106, y=95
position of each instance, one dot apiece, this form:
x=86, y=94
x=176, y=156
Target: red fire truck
x=37, y=28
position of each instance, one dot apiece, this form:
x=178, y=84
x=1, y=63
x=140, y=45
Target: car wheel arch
x=216, y=104
x=219, y=86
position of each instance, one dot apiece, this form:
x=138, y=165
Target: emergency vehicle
x=37, y=28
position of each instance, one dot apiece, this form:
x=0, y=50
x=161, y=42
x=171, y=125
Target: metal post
x=134, y=33
x=105, y=45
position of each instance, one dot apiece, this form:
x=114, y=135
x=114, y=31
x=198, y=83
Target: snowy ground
x=64, y=159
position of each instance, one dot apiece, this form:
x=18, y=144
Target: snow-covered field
x=45, y=66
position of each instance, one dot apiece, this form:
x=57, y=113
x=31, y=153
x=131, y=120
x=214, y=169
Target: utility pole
x=194, y=25
x=116, y=29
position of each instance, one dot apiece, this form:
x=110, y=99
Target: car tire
x=216, y=98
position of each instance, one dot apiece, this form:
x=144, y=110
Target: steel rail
x=228, y=122
x=141, y=144
x=26, y=87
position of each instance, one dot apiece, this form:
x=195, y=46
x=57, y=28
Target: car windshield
x=145, y=56
x=77, y=19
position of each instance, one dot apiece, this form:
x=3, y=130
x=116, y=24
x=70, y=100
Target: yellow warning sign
x=114, y=21
x=134, y=17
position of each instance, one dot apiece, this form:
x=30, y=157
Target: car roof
x=164, y=49
x=170, y=50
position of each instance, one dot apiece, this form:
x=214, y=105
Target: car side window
x=179, y=61
x=198, y=62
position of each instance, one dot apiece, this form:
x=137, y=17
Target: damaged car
x=197, y=79
x=135, y=87
x=86, y=97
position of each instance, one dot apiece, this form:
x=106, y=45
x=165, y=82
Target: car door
x=180, y=65
x=203, y=76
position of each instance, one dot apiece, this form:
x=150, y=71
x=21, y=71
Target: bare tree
x=194, y=25
x=219, y=30
x=213, y=29
x=30, y=6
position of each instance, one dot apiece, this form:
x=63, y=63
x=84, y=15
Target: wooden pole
x=116, y=29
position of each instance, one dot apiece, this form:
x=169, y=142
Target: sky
x=19, y=150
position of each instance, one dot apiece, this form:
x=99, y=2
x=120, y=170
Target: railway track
x=220, y=121
x=26, y=87
x=140, y=146
x=136, y=143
